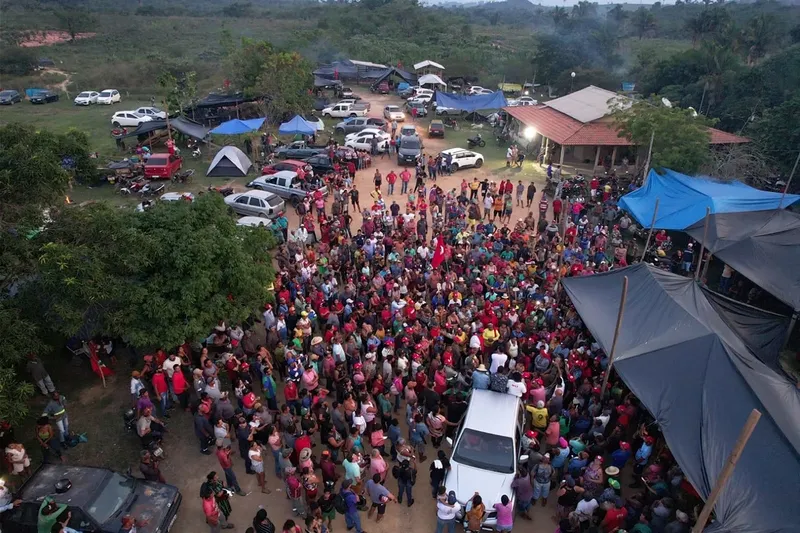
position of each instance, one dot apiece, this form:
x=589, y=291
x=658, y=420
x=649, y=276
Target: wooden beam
x=620, y=313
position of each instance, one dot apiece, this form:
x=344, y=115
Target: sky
x=546, y=2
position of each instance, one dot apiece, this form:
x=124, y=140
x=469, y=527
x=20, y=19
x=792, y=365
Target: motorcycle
x=451, y=123
x=151, y=190
x=129, y=422
x=477, y=140
x=183, y=177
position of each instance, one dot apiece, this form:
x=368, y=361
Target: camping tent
x=496, y=100
x=762, y=245
x=432, y=79
x=698, y=367
x=683, y=199
x=297, y=125
x=229, y=162
x=238, y=127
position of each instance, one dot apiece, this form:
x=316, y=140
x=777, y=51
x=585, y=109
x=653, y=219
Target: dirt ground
x=98, y=411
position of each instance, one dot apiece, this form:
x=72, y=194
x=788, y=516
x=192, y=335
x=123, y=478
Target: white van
x=486, y=450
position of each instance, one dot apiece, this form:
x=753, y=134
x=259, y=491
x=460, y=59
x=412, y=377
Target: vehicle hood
x=466, y=480
x=153, y=503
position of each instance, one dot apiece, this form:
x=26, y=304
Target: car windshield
x=410, y=144
x=435, y=126
x=392, y=108
x=485, y=451
x=111, y=498
x=105, y=93
x=6, y=93
x=84, y=94
x=273, y=201
x=157, y=161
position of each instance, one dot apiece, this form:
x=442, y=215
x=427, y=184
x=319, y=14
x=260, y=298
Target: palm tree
x=583, y=9
x=696, y=27
x=643, y=21
x=559, y=15
x=758, y=37
x=617, y=14
x=606, y=42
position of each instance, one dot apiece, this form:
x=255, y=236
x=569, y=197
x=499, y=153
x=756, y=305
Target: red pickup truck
x=162, y=166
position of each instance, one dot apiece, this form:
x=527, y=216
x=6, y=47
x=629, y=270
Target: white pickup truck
x=345, y=110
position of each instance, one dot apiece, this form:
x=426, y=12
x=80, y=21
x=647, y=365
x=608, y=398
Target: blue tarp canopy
x=682, y=200
x=297, y=125
x=496, y=100
x=695, y=361
x=237, y=127
x=33, y=92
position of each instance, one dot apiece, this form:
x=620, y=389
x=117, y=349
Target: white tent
x=230, y=161
x=428, y=63
x=431, y=79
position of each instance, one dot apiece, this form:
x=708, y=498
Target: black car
x=321, y=103
x=320, y=163
x=10, y=97
x=97, y=498
x=44, y=97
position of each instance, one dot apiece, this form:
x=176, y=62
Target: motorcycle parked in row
x=477, y=140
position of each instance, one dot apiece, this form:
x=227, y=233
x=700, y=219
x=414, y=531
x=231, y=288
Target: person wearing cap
x=224, y=453
x=542, y=475
x=446, y=511
x=620, y=457
x=136, y=386
x=640, y=460
x=539, y=418
x=680, y=524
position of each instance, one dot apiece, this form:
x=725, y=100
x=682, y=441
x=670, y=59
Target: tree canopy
x=155, y=278
x=680, y=139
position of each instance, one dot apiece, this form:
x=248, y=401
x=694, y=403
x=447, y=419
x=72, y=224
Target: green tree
x=16, y=60
x=584, y=10
x=758, y=36
x=643, y=22
x=283, y=79
x=154, y=278
x=617, y=14
x=777, y=134
x=681, y=141
x=559, y=16
x=605, y=41
x=74, y=20
x=179, y=91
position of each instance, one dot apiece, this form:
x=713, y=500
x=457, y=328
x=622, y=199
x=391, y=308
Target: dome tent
x=230, y=161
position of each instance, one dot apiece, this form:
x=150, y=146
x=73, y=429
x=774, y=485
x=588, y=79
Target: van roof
x=492, y=412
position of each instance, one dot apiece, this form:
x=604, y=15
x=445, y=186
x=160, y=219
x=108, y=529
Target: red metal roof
x=567, y=131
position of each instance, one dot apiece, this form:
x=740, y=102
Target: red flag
x=438, y=254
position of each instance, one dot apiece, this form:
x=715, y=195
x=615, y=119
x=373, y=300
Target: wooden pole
x=650, y=233
x=730, y=464
x=703, y=245
x=622, y=299
x=649, y=156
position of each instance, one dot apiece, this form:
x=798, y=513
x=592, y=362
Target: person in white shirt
x=446, y=512
x=475, y=342
x=516, y=387
x=586, y=507
x=169, y=367
x=498, y=359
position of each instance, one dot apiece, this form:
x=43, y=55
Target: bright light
x=529, y=133
x=526, y=93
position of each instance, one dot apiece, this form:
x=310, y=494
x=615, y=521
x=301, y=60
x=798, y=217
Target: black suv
x=97, y=498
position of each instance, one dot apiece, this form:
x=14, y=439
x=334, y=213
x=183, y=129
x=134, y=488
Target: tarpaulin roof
x=683, y=199
x=297, y=125
x=224, y=100
x=181, y=124
x=681, y=355
x=496, y=100
x=320, y=81
x=238, y=127
x=762, y=245
x=431, y=79
x=230, y=161
x=380, y=75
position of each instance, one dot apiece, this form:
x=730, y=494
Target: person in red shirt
x=615, y=518
x=391, y=178
x=180, y=387
x=224, y=453
x=214, y=518
x=292, y=397
x=557, y=209
x=593, y=185
x=162, y=390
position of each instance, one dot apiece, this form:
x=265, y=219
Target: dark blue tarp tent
x=496, y=100
x=683, y=199
x=238, y=127
x=698, y=367
x=762, y=245
x=297, y=125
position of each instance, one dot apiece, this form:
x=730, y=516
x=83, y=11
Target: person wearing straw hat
x=481, y=378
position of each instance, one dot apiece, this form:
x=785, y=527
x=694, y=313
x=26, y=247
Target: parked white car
x=442, y=110
x=152, y=112
x=464, y=158
x=256, y=203
x=128, y=119
x=375, y=131
x=393, y=112
x=363, y=141
x=425, y=98
x=476, y=89
x=86, y=98
x=344, y=110
x=109, y=96
x=522, y=101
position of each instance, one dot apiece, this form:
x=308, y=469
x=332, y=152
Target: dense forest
x=738, y=64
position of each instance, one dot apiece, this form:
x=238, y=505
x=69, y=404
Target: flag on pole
x=438, y=254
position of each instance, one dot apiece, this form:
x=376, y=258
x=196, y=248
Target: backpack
x=339, y=504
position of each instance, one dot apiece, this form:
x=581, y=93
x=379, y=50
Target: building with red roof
x=578, y=129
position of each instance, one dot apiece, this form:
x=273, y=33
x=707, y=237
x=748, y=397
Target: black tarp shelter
x=378, y=76
x=181, y=124
x=764, y=246
x=223, y=100
x=320, y=81
x=696, y=365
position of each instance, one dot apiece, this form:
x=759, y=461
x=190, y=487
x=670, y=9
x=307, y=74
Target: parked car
x=285, y=184
x=152, y=112
x=381, y=88
x=86, y=98
x=320, y=163
x=256, y=203
x=405, y=93
x=298, y=150
x=408, y=129
x=485, y=91
x=376, y=131
x=109, y=96
x=346, y=92
x=464, y=158
x=475, y=89
x=363, y=141
x=162, y=166
x=166, y=197
x=356, y=102
x=344, y=110
x=393, y=112
x=315, y=121
x=436, y=128
x=422, y=111
x=424, y=99
x=486, y=451
x=444, y=111
x=128, y=119
x=287, y=164
x=356, y=124
x=10, y=97
x=96, y=498
x=409, y=149
x=321, y=103
x=44, y=97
